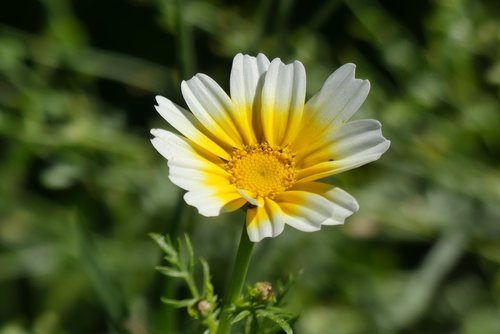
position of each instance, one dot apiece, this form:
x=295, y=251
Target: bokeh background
x=81, y=186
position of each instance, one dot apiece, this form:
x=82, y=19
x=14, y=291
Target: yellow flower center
x=262, y=169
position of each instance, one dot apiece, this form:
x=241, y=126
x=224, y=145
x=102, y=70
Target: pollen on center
x=262, y=169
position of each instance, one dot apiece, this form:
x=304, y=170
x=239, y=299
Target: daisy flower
x=264, y=147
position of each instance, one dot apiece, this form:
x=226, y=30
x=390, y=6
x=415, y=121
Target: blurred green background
x=81, y=186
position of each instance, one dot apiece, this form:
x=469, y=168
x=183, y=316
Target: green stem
x=236, y=282
x=192, y=287
x=211, y=324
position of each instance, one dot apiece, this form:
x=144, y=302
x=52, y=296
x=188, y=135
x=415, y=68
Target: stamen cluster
x=262, y=169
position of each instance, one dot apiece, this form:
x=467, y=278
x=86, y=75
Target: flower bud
x=201, y=309
x=204, y=307
x=262, y=292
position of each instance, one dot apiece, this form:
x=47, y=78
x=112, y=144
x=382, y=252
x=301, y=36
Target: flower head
x=264, y=146
x=262, y=292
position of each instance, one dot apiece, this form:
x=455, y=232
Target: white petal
x=361, y=138
x=208, y=186
x=184, y=122
x=247, y=76
x=339, y=98
x=212, y=107
x=169, y=144
x=211, y=202
x=342, y=204
x=187, y=169
x=283, y=97
x=329, y=168
x=358, y=137
x=266, y=221
x=304, y=210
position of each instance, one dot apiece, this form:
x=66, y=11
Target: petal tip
x=348, y=67
x=161, y=99
x=385, y=147
x=156, y=132
x=204, y=208
x=355, y=206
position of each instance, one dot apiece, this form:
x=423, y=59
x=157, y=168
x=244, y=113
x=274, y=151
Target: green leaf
x=179, y=303
x=165, y=245
x=190, y=252
x=208, y=288
x=277, y=319
x=240, y=316
x=171, y=272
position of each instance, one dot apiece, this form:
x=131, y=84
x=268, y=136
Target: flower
x=264, y=146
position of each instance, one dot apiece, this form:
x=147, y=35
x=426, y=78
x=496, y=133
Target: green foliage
x=81, y=187
x=202, y=305
x=260, y=303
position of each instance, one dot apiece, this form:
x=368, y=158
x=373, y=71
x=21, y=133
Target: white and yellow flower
x=266, y=147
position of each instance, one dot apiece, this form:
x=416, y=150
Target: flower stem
x=236, y=282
